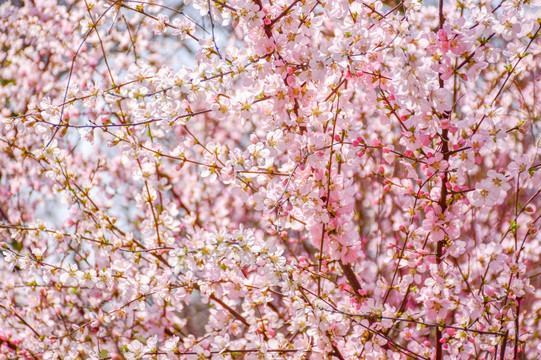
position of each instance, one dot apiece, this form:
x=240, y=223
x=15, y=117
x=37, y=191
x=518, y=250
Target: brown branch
x=231, y=310
x=4, y=216
x=283, y=13
x=22, y=320
x=352, y=278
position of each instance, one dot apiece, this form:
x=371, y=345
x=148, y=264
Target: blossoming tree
x=268, y=179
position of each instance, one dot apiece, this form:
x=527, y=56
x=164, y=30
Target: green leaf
x=17, y=246
x=5, y=82
x=514, y=227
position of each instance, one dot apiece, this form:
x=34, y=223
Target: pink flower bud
x=451, y=332
x=478, y=159
x=291, y=80
x=68, y=223
x=442, y=35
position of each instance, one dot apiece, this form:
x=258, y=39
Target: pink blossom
x=269, y=179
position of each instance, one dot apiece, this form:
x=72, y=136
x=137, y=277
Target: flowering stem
x=283, y=13
x=25, y=323
x=504, y=345
x=509, y=73
x=443, y=195
x=212, y=29
x=328, y=196
x=443, y=326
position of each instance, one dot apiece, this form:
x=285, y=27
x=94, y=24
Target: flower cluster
x=257, y=179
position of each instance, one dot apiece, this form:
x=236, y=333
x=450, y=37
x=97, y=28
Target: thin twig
x=212, y=30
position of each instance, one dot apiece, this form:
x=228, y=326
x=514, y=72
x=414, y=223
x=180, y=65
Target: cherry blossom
x=259, y=179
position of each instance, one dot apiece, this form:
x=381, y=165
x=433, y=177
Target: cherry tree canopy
x=270, y=179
